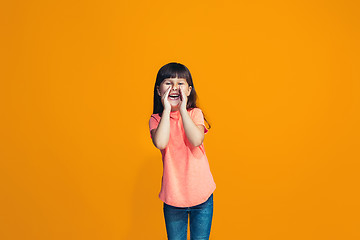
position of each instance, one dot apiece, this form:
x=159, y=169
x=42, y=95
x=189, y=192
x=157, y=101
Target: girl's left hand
x=183, y=99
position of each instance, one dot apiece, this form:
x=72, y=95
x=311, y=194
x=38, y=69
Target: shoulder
x=195, y=111
x=155, y=116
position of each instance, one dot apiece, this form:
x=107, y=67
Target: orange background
x=278, y=81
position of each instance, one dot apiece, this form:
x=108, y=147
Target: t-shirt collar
x=175, y=114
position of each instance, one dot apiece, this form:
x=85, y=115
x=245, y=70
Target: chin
x=174, y=108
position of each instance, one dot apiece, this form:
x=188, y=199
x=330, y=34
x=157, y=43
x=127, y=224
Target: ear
x=189, y=90
x=158, y=91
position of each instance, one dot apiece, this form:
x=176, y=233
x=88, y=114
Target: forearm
x=192, y=131
x=162, y=134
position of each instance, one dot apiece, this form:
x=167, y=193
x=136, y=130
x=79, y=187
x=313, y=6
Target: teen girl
x=177, y=128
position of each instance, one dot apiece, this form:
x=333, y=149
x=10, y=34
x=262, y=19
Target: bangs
x=174, y=70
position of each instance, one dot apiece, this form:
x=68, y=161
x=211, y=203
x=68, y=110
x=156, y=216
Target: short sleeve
x=153, y=123
x=198, y=118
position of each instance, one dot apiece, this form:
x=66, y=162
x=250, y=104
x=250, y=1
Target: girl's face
x=174, y=94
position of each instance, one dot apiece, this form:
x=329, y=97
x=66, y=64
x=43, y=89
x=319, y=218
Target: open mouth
x=174, y=97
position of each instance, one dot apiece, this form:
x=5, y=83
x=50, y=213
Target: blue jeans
x=176, y=221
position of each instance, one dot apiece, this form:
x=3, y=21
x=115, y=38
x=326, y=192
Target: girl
x=177, y=128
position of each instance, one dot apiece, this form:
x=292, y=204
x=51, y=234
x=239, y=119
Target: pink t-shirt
x=187, y=180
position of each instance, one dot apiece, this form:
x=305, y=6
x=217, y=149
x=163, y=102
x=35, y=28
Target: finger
x=166, y=95
x=167, y=91
x=182, y=93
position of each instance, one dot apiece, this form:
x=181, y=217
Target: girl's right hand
x=165, y=101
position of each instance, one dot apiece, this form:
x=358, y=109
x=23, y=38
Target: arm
x=160, y=136
x=194, y=133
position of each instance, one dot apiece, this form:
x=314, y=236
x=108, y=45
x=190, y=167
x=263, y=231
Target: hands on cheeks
x=165, y=100
x=183, y=99
x=182, y=103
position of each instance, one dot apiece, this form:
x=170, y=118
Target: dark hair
x=174, y=70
